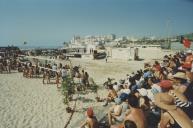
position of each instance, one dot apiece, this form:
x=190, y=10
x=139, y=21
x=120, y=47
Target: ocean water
x=40, y=47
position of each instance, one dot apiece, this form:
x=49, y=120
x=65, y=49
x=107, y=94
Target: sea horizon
x=34, y=46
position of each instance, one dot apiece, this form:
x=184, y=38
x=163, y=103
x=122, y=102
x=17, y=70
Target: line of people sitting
x=159, y=96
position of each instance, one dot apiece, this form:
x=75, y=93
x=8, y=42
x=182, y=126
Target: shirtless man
x=115, y=110
x=112, y=94
x=135, y=114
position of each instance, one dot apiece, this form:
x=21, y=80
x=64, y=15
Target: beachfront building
x=92, y=39
x=90, y=43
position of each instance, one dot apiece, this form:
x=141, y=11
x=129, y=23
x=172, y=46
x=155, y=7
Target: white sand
x=27, y=103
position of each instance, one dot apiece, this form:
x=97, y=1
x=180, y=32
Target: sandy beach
x=27, y=103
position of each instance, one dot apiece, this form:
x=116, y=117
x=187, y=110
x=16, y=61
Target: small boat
x=100, y=55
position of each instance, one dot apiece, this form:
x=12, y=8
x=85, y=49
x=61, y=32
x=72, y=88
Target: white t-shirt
x=64, y=72
x=116, y=87
x=127, y=91
x=54, y=68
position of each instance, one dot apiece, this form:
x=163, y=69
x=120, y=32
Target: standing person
x=57, y=79
x=83, y=80
x=1, y=67
x=64, y=73
x=48, y=76
x=30, y=73
x=106, y=59
x=8, y=66
x=54, y=69
x=86, y=79
x=44, y=75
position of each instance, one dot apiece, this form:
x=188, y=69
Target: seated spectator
x=112, y=94
x=91, y=121
x=179, y=99
x=173, y=116
x=123, y=90
x=115, y=111
x=179, y=82
x=116, y=86
x=135, y=114
x=126, y=124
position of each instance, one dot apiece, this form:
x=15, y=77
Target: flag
x=186, y=42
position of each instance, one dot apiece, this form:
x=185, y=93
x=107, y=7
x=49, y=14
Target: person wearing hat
x=172, y=115
x=91, y=121
x=115, y=110
x=178, y=81
x=178, y=97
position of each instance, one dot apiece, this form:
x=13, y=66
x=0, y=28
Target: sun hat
x=165, y=84
x=117, y=101
x=90, y=112
x=180, y=75
x=142, y=91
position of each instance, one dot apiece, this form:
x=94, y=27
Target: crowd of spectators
x=159, y=96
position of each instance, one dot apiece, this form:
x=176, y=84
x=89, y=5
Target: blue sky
x=51, y=22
